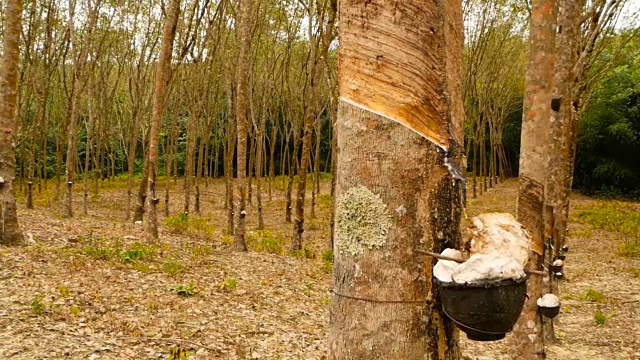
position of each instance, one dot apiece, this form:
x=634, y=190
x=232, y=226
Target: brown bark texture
x=315, y=74
x=77, y=85
x=393, y=193
x=400, y=85
x=163, y=76
x=10, y=233
x=242, y=107
x=528, y=341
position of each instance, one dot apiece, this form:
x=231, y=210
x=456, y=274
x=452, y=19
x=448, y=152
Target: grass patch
x=173, y=267
x=635, y=272
x=186, y=290
x=323, y=201
x=630, y=249
x=594, y=296
x=100, y=253
x=265, y=241
x=63, y=290
x=600, y=318
x=229, y=285
x=37, y=306
x=185, y=224
x=136, y=252
x=614, y=216
x=327, y=261
x=306, y=253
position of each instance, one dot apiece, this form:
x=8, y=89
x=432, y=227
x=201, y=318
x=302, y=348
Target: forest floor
x=90, y=287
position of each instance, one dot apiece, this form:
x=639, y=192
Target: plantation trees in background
x=608, y=153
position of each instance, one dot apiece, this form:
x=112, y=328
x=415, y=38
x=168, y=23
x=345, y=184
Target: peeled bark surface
x=400, y=85
x=393, y=194
x=10, y=233
x=528, y=340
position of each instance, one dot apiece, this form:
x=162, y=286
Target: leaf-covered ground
x=92, y=288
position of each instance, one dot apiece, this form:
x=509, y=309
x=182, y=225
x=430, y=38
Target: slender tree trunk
x=259, y=162
x=316, y=169
x=87, y=161
x=10, y=233
x=131, y=157
x=76, y=86
x=528, y=333
x=163, y=76
x=242, y=107
x=192, y=130
x=272, y=152
x=384, y=305
x=228, y=172
x=557, y=195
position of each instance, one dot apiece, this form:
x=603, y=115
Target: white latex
x=489, y=266
x=502, y=233
x=557, y=262
x=548, y=300
x=444, y=268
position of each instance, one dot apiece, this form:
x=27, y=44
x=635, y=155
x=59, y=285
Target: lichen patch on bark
x=362, y=221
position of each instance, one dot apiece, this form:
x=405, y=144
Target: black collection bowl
x=484, y=311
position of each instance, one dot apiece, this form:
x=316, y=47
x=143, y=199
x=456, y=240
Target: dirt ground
x=90, y=287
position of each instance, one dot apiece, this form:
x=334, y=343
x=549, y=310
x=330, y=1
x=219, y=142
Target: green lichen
x=362, y=221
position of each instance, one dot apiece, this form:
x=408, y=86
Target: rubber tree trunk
x=72, y=113
x=163, y=76
x=10, y=233
x=242, y=108
x=557, y=195
x=528, y=340
x=393, y=192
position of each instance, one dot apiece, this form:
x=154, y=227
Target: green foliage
x=186, y=290
x=74, y=310
x=630, y=249
x=306, y=253
x=179, y=223
x=229, y=285
x=173, y=267
x=37, y=306
x=600, y=318
x=594, y=296
x=327, y=261
x=63, y=290
x=608, y=156
x=613, y=216
x=265, y=241
x=178, y=353
x=324, y=201
x=129, y=256
x=100, y=253
x=183, y=223
x=136, y=252
x=226, y=240
x=635, y=272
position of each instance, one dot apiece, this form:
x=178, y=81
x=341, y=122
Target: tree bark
x=528, y=340
x=384, y=305
x=10, y=233
x=163, y=76
x=242, y=107
x=77, y=84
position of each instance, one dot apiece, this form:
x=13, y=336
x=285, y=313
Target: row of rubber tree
x=104, y=89
x=245, y=73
